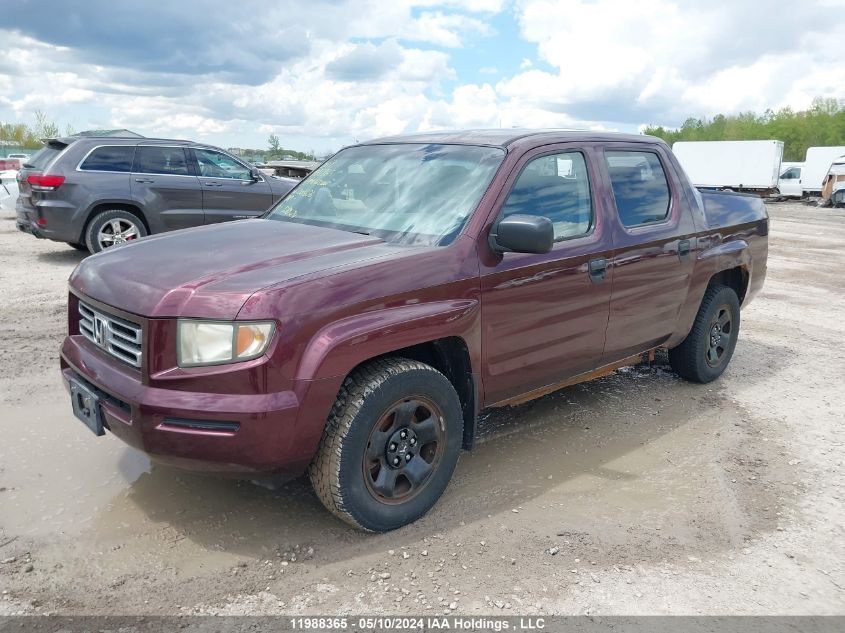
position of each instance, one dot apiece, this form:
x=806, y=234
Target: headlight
x=215, y=342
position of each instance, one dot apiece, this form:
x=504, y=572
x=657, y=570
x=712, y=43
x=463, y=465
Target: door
x=168, y=193
x=544, y=316
x=228, y=189
x=789, y=183
x=654, y=251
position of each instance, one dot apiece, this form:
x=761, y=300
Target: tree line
x=29, y=136
x=822, y=124
x=275, y=151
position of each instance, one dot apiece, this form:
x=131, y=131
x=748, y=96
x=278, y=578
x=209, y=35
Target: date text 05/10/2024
x=448, y=623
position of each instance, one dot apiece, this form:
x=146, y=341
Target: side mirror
x=523, y=234
x=255, y=174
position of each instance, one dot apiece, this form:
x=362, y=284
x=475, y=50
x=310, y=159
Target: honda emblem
x=100, y=327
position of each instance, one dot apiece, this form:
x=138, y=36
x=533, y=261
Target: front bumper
x=243, y=435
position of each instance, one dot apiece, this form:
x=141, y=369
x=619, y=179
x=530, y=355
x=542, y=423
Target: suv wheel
x=390, y=446
x=113, y=227
x=706, y=351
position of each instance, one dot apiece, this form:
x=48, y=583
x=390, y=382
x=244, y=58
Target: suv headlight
x=219, y=342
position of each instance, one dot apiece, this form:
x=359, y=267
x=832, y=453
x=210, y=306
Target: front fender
x=340, y=346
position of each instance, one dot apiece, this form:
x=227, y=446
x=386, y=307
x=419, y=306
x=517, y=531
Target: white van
x=789, y=182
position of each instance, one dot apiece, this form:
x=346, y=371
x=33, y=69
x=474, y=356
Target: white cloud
x=368, y=68
x=670, y=59
x=444, y=29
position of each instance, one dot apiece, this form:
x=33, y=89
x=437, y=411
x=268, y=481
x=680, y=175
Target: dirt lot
x=657, y=496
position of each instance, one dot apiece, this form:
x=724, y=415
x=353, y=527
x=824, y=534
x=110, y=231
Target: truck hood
x=211, y=271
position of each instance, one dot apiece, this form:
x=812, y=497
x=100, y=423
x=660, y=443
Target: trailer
x=816, y=166
x=737, y=165
x=833, y=188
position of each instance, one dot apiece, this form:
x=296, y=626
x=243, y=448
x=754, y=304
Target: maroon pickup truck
x=358, y=327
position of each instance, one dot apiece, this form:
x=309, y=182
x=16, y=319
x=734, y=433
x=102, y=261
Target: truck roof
x=507, y=137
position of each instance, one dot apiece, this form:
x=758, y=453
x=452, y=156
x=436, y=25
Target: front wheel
x=390, y=445
x=706, y=351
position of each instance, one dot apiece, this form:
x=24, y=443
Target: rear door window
x=639, y=186
x=155, y=159
x=557, y=187
x=114, y=158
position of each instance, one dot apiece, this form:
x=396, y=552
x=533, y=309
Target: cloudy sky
x=322, y=74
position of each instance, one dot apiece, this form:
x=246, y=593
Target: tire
x=106, y=223
x=79, y=247
x=706, y=351
x=350, y=472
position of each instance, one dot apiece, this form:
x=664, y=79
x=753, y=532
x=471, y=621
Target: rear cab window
x=640, y=187
x=161, y=160
x=555, y=186
x=115, y=158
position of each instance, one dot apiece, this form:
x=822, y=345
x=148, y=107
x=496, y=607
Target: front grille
x=121, y=339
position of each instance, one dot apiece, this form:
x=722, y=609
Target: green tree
x=43, y=127
x=273, y=145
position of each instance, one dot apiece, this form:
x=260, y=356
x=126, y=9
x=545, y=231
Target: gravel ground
x=634, y=494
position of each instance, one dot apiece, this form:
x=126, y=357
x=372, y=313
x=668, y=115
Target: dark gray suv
x=97, y=192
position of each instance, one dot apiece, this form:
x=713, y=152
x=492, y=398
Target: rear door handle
x=683, y=250
x=597, y=269
x=145, y=180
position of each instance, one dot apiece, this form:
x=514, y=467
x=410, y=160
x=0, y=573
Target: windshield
x=404, y=193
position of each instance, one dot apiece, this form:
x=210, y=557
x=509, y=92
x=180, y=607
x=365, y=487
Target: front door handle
x=146, y=181
x=597, y=269
x=213, y=184
x=683, y=250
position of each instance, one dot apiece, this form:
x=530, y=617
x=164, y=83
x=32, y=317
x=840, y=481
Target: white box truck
x=738, y=165
x=816, y=166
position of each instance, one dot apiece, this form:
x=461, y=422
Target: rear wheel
x=706, y=351
x=390, y=446
x=112, y=228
